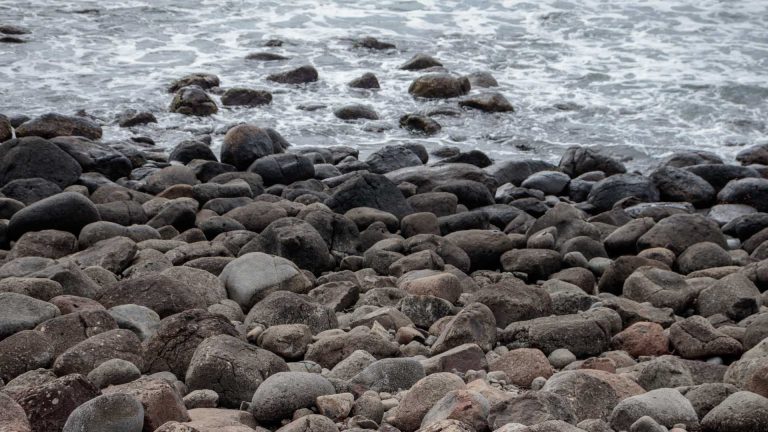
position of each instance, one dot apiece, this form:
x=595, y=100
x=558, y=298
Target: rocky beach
x=180, y=269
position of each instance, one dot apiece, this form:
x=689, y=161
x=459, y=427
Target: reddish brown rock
x=642, y=339
x=522, y=366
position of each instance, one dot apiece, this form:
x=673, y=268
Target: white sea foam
x=643, y=78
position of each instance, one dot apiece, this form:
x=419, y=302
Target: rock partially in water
x=372, y=43
x=419, y=62
x=421, y=124
x=355, y=112
x=52, y=125
x=193, y=101
x=239, y=96
x=439, y=86
x=203, y=80
x=300, y=75
x=266, y=56
x=488, y=102
x=367, y=81
x=130, y=118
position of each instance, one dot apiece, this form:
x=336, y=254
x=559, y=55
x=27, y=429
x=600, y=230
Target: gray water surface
x=640, y=78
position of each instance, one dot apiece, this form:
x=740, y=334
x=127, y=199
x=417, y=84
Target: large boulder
x=511, y=302
x=20, y=312
x=474, y=324
x=301, y=75
x=95, y=157
x=439, y=86
x=251, y=277
x=283, y=168
x=483, y=247
x=33, y=157
x=330, y=350
x=741, y=411
x=160, y=400
x=285, y=392
x=161, y=293
x=67, y=211
x=581, y=160
x=172, y=347
x=232, y=368
x=369, y=190
x=392, y=157
x=90, y=353
x=193, y=101
x=421, y=397
x=49, y=405
x=245, y=143
x=676, y=184
x=749, y=191
x=735, y=296
x=285, y=307
x=592, y=393
x=609, y=191
x=667, y=406
x=530, y=409
x=680, y=231
x=114, y=412
x=696, y=338
x=53, y=125
x=297, y=241
x=522, y=366
x=388, y=375
x=24, y=351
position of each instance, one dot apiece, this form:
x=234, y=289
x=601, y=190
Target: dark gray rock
x=300, y=75
x=439, y=86
x=53, y=125
x=193, y=101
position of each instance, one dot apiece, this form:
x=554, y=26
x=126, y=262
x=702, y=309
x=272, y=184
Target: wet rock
x=283, y=168
x=285, y=392
x=420, y=61
x=355, y=112
x=488, y=102
x=171, y=348
x=369, y=190
x=695, y=337
x=193, y=101
x=667, y=406
x=19, y=312
x=392, y=157
x=367, y=81
x=607, y=192
x=676, y=184
x=131, y=117
x=549, y=182
x=115, y=412
x=53, y=125
x=372, y=43
x=418, y=123
x=749, y=191
x=265, y=56
x=202, y=80
x=67, y=211
x=158, y=397
x=482, y=79
x=300, y=75
x=232, y=368
x=439, y=86
x=580, y=160
x=238, y=96
x=719, y=175
x=285, y=307
x=27, y=158
x=245, y=143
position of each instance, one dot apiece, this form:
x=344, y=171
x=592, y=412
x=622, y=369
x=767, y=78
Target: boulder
x=160, y=400
x=581, y=160
x=113, y=372
x=193, y=101
x=424, y=394
x=283, y=168
x=329, y=351
x=488, y=102
x=20, y=312
x=388, y=375
x=642, y=339
x=474, y=324
x=232, y=368
x=734, y=296
x=95, y=157
x=67, y=211
x=678, y=232
x=162, y=294
x=439, y=86
x=113, y=412
x=52, y=125
x=420, y=61
x=607, y=192
x=695, y=338
x=749, y=191
x=512, y=302
x=369, y=190
x=741, y=411
x=522, y=366
x=245, y=143
x=238, y=96
x=285, y=392
x=172, y=347
x=367, y=81
x=90, y=353
x=676, y=184
x=392, y=157
x=530, y=409
x=300, y=75
x=203, y=80
x=661, y=288
x=285, y=307
x=667, y=406
x=24, y=351
x=355, y=112
x=49, y=405
x=12, y=416
x=253, y=276
x=28, y=158
x=420, y=124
